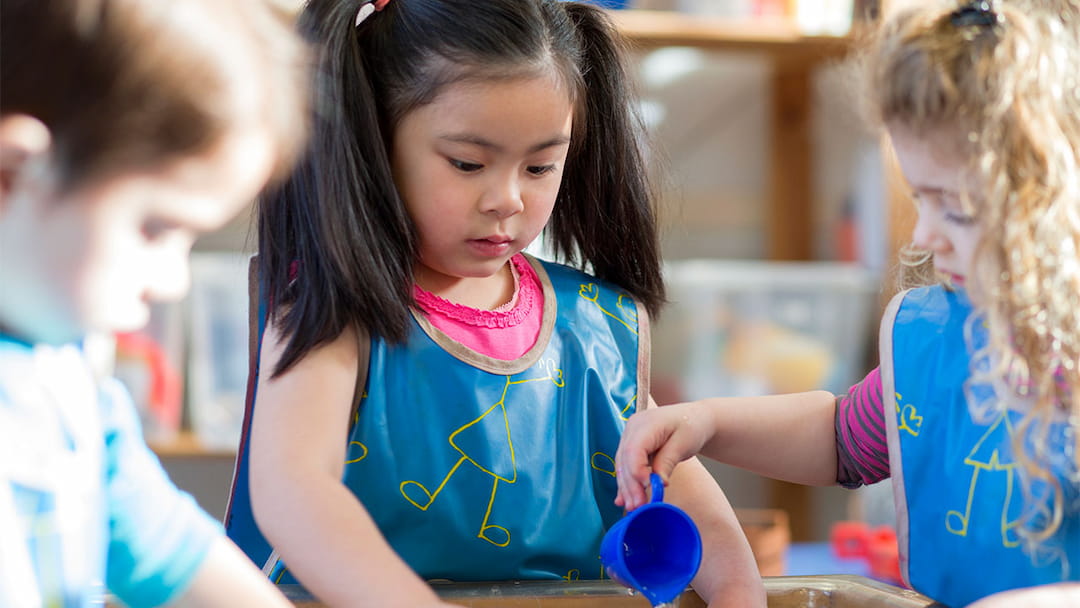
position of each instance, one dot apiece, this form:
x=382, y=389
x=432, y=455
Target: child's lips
x=491, y=246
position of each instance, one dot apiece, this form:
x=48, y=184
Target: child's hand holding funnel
x=655, y=549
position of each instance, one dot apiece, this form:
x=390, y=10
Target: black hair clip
x=978, y=13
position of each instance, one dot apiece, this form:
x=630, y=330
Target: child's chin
x=133, y=320
x=951, y=280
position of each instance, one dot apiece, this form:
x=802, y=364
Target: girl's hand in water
x=663, y=436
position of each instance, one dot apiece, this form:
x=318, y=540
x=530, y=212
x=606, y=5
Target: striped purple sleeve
x=861, y=449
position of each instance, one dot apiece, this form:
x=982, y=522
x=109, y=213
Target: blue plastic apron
x=482, y=469
x=956, y=484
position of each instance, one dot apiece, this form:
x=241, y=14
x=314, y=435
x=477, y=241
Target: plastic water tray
x=839, y=591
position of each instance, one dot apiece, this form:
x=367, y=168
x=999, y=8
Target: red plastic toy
x=876, y=546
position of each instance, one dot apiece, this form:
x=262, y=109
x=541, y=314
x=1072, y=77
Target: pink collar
x=520, y=306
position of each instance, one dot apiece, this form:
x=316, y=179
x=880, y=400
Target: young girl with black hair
x=433, y=403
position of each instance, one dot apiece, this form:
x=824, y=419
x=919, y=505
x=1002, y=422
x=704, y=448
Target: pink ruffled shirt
x=507, y=332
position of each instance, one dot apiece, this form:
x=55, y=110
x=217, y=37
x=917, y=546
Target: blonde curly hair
x=1005, y=77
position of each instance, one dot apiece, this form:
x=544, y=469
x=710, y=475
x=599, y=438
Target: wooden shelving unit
x=780, y=38
x=793, y=57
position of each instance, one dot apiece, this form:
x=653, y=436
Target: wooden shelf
x=793, y=57
x=780, y=38
x=187, y=445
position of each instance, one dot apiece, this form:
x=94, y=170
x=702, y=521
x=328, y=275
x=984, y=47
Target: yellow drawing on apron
x=504, y=470
x=987, y=456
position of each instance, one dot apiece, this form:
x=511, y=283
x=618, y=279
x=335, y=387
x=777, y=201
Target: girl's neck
x=482, y=293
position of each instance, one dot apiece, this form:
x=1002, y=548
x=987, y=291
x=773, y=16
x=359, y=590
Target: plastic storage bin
x=741, y=328
x=218, y=347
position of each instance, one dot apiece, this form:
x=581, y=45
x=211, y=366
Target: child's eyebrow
x=933, y=191
x=476, y=140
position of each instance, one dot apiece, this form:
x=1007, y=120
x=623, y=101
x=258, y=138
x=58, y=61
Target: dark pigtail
x=605, y=217
x=335, y=244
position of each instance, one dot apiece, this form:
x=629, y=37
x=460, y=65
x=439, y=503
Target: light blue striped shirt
x=84, y=504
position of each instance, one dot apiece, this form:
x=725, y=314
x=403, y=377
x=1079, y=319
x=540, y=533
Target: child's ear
x=22, y=138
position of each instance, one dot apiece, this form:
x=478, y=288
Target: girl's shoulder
x=560, y=274
x=937, y=297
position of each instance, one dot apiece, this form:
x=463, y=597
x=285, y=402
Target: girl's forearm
x=728, y=576
x=325, y=535
x=789, y=437
x=228, y=578
x=334, y=548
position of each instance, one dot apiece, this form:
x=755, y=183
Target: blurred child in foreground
x=127, y=127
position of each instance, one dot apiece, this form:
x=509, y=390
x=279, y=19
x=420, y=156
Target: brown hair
x=125, y=84
x=1003, y=76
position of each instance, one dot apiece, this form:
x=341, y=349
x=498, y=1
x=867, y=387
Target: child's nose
x=169, y=277
x=503, y=199
x=928, y=235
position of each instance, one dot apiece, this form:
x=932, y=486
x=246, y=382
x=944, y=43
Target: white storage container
x=740, y=328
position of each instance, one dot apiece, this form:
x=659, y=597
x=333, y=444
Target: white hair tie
x=368, y=7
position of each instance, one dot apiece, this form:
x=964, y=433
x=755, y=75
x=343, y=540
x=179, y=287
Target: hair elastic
x=368, y=7
x=978, y=13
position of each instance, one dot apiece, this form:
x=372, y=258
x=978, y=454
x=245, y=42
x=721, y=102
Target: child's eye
x=541, y=169
x=155, y=228
x=960, y=219
x=465, y=167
